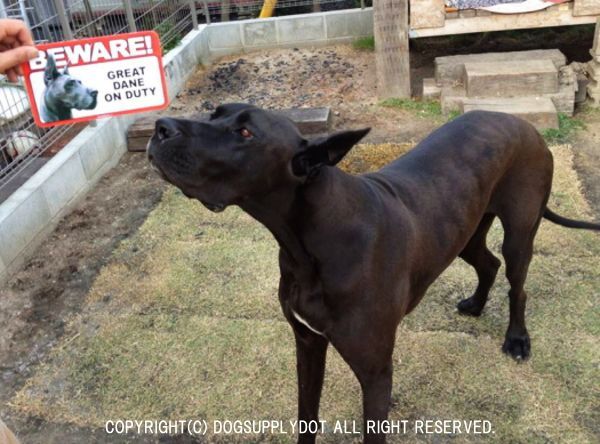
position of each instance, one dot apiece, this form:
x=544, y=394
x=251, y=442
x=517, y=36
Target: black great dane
x=357, y=253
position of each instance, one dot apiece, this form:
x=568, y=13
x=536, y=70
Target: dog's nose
x=94, y=93
x=166, y=128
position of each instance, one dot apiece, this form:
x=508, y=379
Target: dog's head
x=66, y=91
x=241, y=152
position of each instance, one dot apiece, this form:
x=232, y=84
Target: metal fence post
x=206, y=12
x=64, y=20
x=194, y=14
x=362, y=4
x=130, y=17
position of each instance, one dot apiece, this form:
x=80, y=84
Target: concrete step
x=452, y=98
x=430, y=89
x=308, y=121
x=510, y=79
x=539, y=111
x=449, y=70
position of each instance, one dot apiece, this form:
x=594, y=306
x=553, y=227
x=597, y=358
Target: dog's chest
x=304, y=304
x=306, y=323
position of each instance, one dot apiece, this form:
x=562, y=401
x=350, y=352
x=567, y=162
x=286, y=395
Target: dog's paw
x=469, y=307
x=519, y=347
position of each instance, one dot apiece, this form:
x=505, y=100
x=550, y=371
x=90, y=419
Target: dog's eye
x=70, y=84
x=245, y=133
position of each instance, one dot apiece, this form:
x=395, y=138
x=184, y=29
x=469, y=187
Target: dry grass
x=184, y=323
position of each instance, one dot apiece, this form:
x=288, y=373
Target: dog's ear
x=50, y=73
x=66, y=71
x=327, y=150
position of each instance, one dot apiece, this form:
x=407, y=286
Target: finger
x=12, y=76
x=14, y=57
x=16, y=29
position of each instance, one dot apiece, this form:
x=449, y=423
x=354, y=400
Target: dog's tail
x=569, y=223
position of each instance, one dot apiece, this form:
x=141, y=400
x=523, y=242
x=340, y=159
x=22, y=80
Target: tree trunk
x=390, y=23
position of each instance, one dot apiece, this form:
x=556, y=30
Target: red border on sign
x=156, y=53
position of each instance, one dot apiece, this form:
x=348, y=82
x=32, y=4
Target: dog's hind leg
x=520, y=227
x=486, y=265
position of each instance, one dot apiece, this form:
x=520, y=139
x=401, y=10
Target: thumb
x=14, y=57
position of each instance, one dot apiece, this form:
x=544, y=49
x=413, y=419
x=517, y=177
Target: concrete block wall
x=33, y=211
x=325, y=28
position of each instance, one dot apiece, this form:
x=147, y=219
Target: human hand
x=16, y=47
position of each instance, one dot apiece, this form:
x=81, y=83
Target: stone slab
x=96, y=150
x=467, y=13
x=452, y=98
x=3, y=270
x=449, y=69
x=301, y=29
x=348, y=23
x=58, y=191
x=259, y=33
x=510, y=79
x=21, y=178
x=308, y=121
x=586, y=7
x=427, y=14
x=539, y=111
x=225, y=35
x=430, y=89
x=22, y=217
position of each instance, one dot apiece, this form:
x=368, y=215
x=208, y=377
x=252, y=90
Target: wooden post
x=593, y=88
x=390, y=23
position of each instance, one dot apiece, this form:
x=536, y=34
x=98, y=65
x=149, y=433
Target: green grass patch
x=423, y=108
x=567, y=126
x=364, y=43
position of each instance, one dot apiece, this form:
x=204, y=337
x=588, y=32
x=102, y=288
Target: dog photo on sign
x=63, y=94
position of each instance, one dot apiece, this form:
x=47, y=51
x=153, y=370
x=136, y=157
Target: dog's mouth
x=214, y=207
x=93, y=104
x=158, y=171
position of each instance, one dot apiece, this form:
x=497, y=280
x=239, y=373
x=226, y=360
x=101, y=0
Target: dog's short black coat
x=359, y=252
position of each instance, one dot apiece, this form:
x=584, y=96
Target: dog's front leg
x=377, y=391
x=370, y=358
x=311, y=351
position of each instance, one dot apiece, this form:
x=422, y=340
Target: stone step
x=539, y=111
x=510, y=79
x=449, y=69
x=430, y=89
x=452, y=98
x=308, y=121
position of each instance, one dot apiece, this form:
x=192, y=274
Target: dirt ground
x=53, y=285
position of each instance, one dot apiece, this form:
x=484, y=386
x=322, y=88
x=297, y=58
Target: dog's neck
x=275, y=211
x=58, y=110
x=280, y=212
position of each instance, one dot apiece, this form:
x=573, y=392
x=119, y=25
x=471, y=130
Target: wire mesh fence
x=24, y=147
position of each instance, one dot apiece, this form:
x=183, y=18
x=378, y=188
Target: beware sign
x=81, y=80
